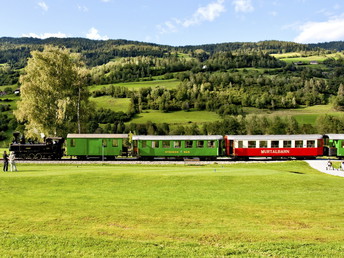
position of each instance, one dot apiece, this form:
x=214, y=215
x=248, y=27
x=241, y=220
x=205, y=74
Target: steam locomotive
x=51, y=148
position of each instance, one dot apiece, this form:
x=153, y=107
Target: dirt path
x=321, y=166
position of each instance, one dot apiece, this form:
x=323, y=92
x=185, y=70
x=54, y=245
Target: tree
x=339, y=99
x=54, y=99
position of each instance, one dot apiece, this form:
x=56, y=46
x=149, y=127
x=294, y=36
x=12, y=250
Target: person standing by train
x=12, y=161
x=5, y=158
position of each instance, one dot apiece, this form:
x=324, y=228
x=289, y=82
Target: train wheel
x=31, y=156
x=38, y=156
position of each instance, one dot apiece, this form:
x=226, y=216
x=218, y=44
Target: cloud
x=244, y=6
x=330, y=30
x=43, y=5
x=206, y=13
x=45, y=35
x=82, y=8
x=93, y=34
x=167, y=27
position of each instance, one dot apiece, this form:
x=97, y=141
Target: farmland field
x=115, y=104
x=277, y=209
x=303, y=115
x=177, y=117
x=169, y=84
x=297, y=57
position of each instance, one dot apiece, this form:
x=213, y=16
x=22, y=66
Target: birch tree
x=54, y=99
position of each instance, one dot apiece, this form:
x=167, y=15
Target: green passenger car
x=182, y=146
x=335, y=145
x=107, y=146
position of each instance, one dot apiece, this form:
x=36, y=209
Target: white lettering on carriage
x=275, y=151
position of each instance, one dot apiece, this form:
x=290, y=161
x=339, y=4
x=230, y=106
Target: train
x=179, y=147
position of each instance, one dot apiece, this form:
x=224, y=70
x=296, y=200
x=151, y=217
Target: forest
x=224, y=78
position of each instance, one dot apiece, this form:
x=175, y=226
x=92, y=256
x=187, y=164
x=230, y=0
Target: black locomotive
x=51, y=148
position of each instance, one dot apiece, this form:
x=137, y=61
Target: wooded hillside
x=227, y=79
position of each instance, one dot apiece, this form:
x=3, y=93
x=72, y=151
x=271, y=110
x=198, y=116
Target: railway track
x=141, y=162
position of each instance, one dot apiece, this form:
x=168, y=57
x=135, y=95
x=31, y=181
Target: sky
x=176, y=22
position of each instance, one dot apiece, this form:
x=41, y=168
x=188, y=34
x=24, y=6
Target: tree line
x=232, y=125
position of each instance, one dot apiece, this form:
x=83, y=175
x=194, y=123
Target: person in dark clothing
x=5, y=157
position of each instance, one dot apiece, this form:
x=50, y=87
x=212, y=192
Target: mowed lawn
x=276, y=209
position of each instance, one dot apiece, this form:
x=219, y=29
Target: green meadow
x=115, y=104
x=298, y=57
x=303, y=115
x=282, y=209
x=168, y=84
x=176, y=117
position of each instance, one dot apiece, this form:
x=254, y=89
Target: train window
x=286, y=144
x=211, y=144
x=115, y=143
x=72, y=143
x=144, y=144
x=155, y=144
x=188, y=144
x=342, y=144
x=298, y=144
x=200, y=144
x=263, y=144
x=166, y=144
x=240, y=144
x=252, y=144
x=310, y=144
x=104, y=143
x=177, y=144
x=274, y=144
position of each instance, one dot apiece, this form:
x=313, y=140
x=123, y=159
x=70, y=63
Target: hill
x=230, y=80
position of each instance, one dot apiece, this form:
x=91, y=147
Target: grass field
x=169, y=84
x=115, y=104
x=304, y=115
x=252, y=210
x=177, y=117
x=297, y=57
x=2, y=151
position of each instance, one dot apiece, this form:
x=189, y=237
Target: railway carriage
x=335, y=143
x=177, y=146
x=275, y=146
x=107, y=146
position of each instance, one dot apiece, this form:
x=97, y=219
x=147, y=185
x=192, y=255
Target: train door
x=95, y=147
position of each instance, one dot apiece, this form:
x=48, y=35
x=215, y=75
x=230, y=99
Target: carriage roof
x=335, y=136
x=274, y=137
x=177, y=137
x=97, y=136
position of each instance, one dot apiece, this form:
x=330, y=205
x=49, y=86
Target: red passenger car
x=298, y=146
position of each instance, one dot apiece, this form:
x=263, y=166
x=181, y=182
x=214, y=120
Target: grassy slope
x=115, y=104
x=169, y=84
x=304, y=115
x=296, y=57
x=178, y=117
x=281, y=209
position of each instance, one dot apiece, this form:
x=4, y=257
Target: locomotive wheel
x=38, y=156
x=31, y=156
